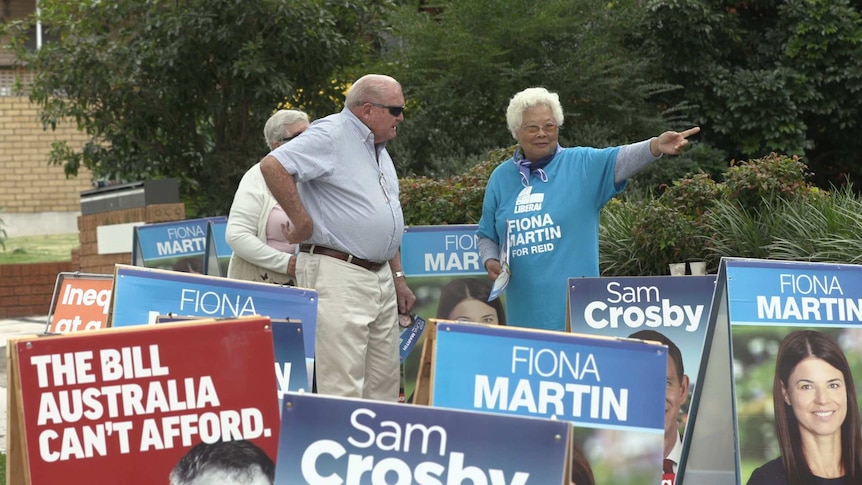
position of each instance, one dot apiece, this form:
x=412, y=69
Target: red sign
x=126, y=405
x=80, y=303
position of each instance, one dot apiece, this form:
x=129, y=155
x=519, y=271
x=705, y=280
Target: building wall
x=35, y=197
x=13, y=10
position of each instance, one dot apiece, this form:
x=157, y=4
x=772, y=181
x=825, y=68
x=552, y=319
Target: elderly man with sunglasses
x=338, y=185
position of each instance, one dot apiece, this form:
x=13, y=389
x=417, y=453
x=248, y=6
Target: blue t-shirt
x=554, y=229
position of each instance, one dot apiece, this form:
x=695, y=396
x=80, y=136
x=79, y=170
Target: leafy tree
x=460, y=63
x=182, y=88
x=768, y=76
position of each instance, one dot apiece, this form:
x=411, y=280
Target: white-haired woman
x=546, y=201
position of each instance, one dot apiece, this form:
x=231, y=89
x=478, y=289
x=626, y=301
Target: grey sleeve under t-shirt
x=631, y=159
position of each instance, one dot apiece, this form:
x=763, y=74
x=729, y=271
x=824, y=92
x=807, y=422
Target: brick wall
x=26, y=289
x=27, y=183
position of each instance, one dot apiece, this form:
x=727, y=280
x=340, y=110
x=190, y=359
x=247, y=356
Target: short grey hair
x=530, y=98
x=276, y=126
x=370, y=88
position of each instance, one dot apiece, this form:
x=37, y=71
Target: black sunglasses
x=393, y=110
x=291, y=137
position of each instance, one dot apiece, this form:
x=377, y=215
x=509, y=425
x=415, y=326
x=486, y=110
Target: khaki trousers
x=356, y=346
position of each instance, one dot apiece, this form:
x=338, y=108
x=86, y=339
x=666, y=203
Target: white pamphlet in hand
x=500, y=283
x=503, y=278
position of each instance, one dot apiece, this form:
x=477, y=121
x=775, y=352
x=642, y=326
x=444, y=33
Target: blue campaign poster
x=772, y=304
x=677, y=307
x=290, y=364
x=441, y=250
x=613, y=390
x=337, y=440
x=763, y=310
x=141, y=294
x=439, y=262
x=218, y=252
x=179, y=245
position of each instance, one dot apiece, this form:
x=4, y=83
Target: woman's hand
x=494, y=268
x=671, y=142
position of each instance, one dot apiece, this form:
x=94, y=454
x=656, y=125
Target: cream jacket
x=252, y=258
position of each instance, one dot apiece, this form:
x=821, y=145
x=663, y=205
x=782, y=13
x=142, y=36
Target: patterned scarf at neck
x=528, y=168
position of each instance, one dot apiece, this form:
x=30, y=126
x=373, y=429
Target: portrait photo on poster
x=462, y=298
x=796, y=399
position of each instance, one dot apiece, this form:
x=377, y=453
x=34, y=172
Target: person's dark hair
x=795, y=347
x=240, y=459
x=672, y=350
x=462, y=289
x=582, y=473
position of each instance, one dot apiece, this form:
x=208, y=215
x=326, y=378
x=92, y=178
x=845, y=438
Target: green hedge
x=452, y=200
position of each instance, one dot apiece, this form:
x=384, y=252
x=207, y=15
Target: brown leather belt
x=314, y=249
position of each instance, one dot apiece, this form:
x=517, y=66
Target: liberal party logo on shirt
x=527, y=201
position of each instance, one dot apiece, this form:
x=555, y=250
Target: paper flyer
x=502, y=280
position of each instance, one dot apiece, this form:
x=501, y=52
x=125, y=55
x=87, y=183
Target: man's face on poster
x=676, y=392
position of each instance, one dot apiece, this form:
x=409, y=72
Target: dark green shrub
x=453, y=200
x=617, y=251
x=739, y=233
x=827, y=228
x=699, y=157
x=751, y=184
x=692, y=195
x=664, y=234
x=765, y=211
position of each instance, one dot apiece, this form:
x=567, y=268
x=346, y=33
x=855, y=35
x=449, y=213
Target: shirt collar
x=675, y=453
x=357, y=124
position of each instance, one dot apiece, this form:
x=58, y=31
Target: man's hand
x=671, y=142
x=301, y=230
x=291, y=266
x=406, y=298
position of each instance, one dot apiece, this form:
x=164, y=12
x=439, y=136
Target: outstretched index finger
x=691, y=131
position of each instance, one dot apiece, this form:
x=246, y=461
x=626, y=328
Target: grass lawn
x=39, y=249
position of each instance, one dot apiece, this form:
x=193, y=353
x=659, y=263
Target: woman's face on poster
x=817, y=394
x=472, y=310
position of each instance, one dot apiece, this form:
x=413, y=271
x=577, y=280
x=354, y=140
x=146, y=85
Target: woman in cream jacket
x=256, y=225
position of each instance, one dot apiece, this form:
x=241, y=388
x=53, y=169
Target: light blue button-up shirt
x=348, y=186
